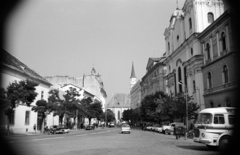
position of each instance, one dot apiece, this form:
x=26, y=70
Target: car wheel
x=223, y=143
x=129, y=132
x=165, y=131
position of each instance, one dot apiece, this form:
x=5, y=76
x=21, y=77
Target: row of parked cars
x=56, y=129
x=167, y=129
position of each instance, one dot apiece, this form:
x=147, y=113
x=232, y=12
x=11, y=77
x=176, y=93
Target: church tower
x=133, y=78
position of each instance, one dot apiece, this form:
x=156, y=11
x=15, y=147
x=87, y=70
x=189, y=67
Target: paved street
x=108, y=141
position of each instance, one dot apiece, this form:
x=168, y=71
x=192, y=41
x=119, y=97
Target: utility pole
x=186, y=103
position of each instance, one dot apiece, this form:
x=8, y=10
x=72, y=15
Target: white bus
x=214, y=127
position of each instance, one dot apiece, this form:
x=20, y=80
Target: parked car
x=168, y=129
x=157, y=128
x=90, y=127
x=111, y=125
x=126, y=128
x=65, y=129
x=56, y=129
x=154, y=128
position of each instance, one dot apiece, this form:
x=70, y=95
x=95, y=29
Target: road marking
x=47, y=138
x=82, y=135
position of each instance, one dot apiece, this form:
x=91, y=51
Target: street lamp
x=186, y=103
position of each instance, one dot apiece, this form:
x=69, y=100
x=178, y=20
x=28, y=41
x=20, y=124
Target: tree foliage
x=65, y=106
x=90, y=109
x=160, y=107
x=22, y=91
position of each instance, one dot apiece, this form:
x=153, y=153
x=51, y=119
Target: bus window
x=219, y=119
x=230, y=119
x=204, y=118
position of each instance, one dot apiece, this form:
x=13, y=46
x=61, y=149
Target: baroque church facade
x=185, y=54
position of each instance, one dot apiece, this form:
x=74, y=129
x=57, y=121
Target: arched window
x=210, y=17
x=209, y=80
x=191, y=51
x=225, y=74
x=228, y=104
x=194, y=86
x=211, y=104
x=190, y=23
x=208, y=51
x=178, y=40
x=180, y=78
x=223, y=41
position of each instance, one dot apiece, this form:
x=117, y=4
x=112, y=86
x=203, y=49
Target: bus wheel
x=223, y=143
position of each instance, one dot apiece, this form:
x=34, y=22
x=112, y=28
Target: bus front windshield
x=204, y=118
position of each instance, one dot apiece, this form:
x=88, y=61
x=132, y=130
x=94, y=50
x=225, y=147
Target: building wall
x=89, y=84
x=135, y=95
x=8, y=76
x=219, y=91
x=187, y=51
x=153, y=80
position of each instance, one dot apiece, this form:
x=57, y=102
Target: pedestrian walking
x=34, y=128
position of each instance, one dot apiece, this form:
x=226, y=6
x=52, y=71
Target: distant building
x=91, y=83
x=135, y=90
x=153, y=80
x=23, y=118
x=135, y=95
x=133, y=78
x=118, y=103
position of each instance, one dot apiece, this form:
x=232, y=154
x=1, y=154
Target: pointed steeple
x=133, y=72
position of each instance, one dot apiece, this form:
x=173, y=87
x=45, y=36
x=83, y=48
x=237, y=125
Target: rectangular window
x=27, y=115
x=230, y=119
x=219, y=119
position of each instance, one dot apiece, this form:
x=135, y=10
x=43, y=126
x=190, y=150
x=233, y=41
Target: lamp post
x=186, y=103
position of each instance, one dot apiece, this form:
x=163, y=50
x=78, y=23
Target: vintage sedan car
x=65, y=129
x=90, y=127
x=56, y=129
x=111, y=125
x=125, y=128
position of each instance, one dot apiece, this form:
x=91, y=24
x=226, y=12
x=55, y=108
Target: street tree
x=90, y=109
x=42, y=109
x=65, y=105
x=110, y=116
x=20, y=92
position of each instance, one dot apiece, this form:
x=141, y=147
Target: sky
x=69, y=37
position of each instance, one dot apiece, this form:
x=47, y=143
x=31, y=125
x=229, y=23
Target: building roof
x=10, y=61
x=119, y=100
x=133, y=72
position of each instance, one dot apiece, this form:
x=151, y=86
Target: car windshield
x=125, y=125
x=204, y=118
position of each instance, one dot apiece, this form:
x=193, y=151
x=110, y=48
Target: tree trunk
x=8, y=124
x=89, y=120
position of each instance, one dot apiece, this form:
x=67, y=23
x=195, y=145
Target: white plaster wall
x=19, y=125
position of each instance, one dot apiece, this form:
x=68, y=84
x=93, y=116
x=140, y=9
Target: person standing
x=185, y=132
x=34, y=128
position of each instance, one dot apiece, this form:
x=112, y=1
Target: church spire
x=133, y=72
